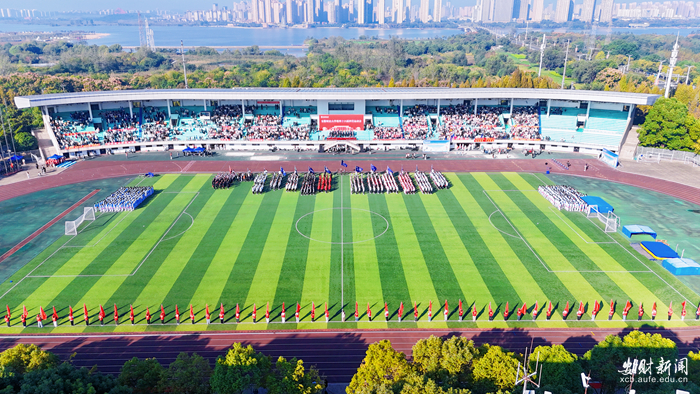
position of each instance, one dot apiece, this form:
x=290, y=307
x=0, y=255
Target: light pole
x=566, y=59
x=658, y=74
x=184, y=66
x=687, y=76
x=542, y=47
x=629, y=61
x=673, y=60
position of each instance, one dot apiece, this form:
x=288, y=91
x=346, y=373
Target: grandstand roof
x=333, y=94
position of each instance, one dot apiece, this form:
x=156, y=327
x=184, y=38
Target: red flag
x=697, y=312
x=369, y=312
x=8, y=313
x=191, y=312
x=238, y=311
x=522, y=310
x=148, y=315
x=102, y=313
x=683, y=309
x=628, y=306
x=222, y=312
x=491, y=311
x=474, y=313
x=534, y=311
x=298, y=311
x=549, y=309
x=565, y=313
x=177, y=313
x=131, y=313
x=596, y=307
x=162, y=313
x=386, y=310
x=328, y=315
x=24, y=311
x=284, y=311
x=505, y=313
x=206, y=312
x=580, y=309
x=401, y=310
x=415, y=310
x=430, y=309
x=267, y=311
x=461, y=311
x=670, y=309
x=116, y=313
x=70, y=313
x=641, y=310
x=447, y=309
x=653, y=310
x=612, y=308
x=357, y=311
x=313, y=311
x=255, y=311
x=54, y=317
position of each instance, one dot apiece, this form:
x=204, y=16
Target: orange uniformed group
x=520, y=312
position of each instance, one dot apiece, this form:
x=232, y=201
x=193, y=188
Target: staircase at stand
x=629, y=146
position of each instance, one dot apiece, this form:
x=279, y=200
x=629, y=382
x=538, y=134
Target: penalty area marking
x=341, y=216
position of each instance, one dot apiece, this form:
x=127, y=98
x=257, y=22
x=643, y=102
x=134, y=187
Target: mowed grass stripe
x=291, y=281
x=626, y=281
x=466, y=273
x=65, y=290
x=515, y=271
x=393, y=278
x=124, y=290
x=241, y=275
x=469, y=223
x=336, y=287
x=317, y=270
x=420, y=285
x=522, y=214
x=189, y=279
x=212, y=284
x=368, y=283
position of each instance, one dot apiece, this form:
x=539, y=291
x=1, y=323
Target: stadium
x=296, y=209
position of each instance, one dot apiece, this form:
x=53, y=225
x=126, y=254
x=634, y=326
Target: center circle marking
x=343, y=243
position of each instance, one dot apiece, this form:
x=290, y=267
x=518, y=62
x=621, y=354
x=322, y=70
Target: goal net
x=610, y=220
x=72, y=225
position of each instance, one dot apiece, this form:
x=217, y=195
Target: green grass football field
x=489, y=238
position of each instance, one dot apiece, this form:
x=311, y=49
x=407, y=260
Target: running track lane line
x=46, y=226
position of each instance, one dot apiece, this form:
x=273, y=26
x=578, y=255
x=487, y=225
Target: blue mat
x=603, y=206
x=682, y=266
x=635, y=229
x=659, y=250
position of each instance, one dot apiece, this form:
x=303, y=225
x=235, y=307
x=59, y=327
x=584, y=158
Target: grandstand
x=98, y=122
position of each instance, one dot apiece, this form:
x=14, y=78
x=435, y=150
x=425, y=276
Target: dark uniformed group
x=308, y=184
x=223, y=181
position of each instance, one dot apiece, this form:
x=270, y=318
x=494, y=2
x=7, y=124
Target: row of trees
x=671, y=125
x=29, y=369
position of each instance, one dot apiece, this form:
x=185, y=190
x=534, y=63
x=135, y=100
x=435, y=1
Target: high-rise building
x=399, y=11
x=424, y=12
x=502, y=11
x=289, y=12
x=537, y=12
x=310, y=11
x=522, y=7
x=361, y=8
x=564, y=11
x=606, y=11
x=268, y=11
x=381, y=11
x=254, y=11
x=437, y=11
x=587, y=11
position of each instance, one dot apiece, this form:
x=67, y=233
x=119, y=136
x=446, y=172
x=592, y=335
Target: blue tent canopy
x=678, y=266
x=16, y=158
x=635, y=229
x=55, y=157
x=199, y=149
x=188, y=150
x=603, y=206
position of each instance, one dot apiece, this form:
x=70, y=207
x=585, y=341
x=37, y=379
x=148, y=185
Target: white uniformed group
x=124, y=199
x=259, y=182
x=423, y=182
x=277, y=181
x=292, y=182
x=438, y=179
x=563, y=197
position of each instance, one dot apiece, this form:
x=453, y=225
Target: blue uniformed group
x=124, y=199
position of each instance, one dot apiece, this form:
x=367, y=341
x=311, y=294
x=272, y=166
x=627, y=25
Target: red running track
x=336, y=353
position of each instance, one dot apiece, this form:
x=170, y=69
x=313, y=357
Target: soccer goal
x=72, y=225
x=610, y=220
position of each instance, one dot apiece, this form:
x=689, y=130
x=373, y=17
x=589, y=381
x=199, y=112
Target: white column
x=438, y=111
x=90, y=110
x=401, y=110
x=205, y=104
x=131, y=111
x=243, y=107
x=511, y=107
x=47, y=124
x=588, y=110
x=549, y=104
x=476, y=105
x=281, y=114
x=630, y=113
x=169, y=114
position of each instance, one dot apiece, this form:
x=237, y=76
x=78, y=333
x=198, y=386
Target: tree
x=447, y=361
x=669, y=125
x=383, y=368
x=142, y=376
x=290, y=377
x=242, y=369
x=560, y=369
x=26, y=358
x=188, y=374
x=67, y=379
x=25, y=141
x=494, y=370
